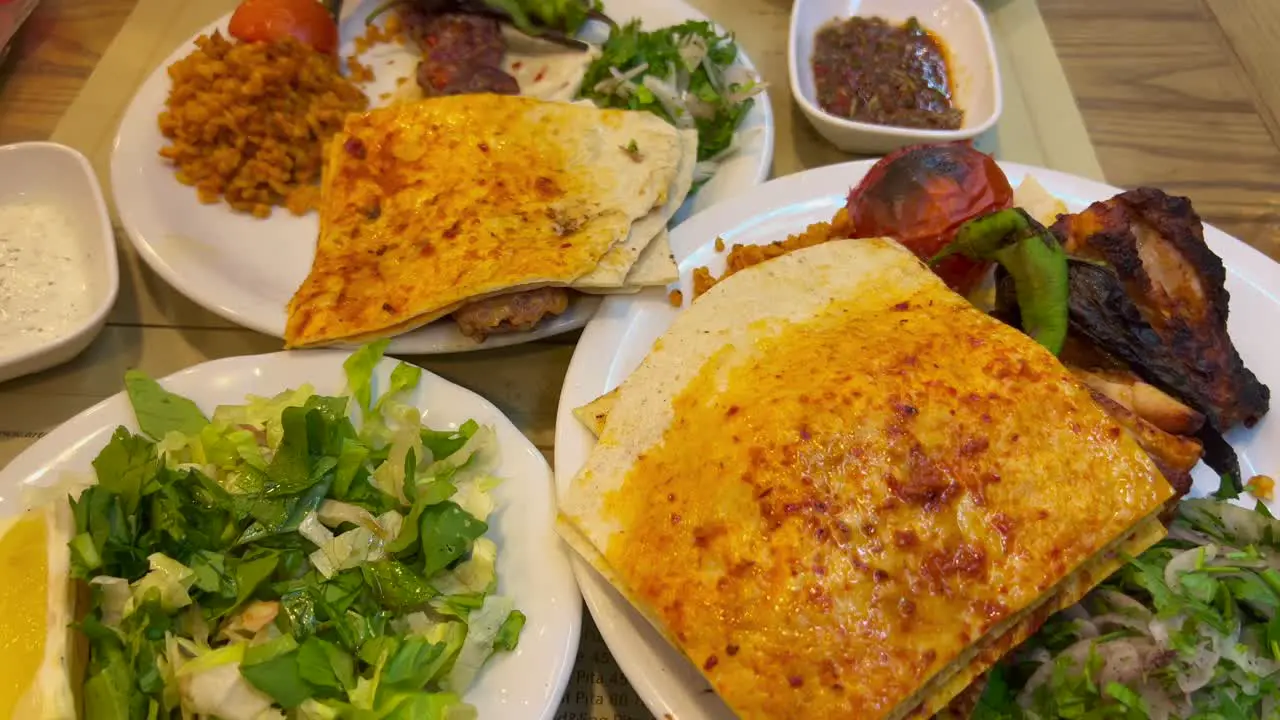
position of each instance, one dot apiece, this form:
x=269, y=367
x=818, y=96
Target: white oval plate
x=624, y=329
x=533, y=567
x=246, y=269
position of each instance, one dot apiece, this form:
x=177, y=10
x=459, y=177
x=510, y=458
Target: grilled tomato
x=920, y=196
x=308, y=21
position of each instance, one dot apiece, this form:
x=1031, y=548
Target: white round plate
x=533, y=567
x=246, y=269
x=622, y=332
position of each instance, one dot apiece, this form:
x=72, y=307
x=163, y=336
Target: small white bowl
x=962, y=27
x=56, y=174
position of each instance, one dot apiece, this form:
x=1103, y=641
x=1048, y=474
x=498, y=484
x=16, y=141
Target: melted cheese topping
x=429, y=204
x=832, y=522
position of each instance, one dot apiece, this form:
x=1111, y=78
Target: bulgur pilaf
x=389, y=31
x=359, y=71
x=248, y=122
x=742, y=257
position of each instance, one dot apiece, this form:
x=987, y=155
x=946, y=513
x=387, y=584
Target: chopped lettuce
x=168, y=579
x=1190, y=629
x=484, y=625
x=263, y=415
x=297, y=556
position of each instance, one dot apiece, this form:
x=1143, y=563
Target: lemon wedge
x=36, y=605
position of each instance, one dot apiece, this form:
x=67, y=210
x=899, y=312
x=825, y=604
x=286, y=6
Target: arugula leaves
x=398, y=587
x=664, y=53
x=1210, y=590
x=446, y=532
x=326, y=667
x=192, y=536
x=125, y=466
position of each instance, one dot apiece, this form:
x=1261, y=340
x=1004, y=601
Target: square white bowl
x=959, y=24
x=58, y=175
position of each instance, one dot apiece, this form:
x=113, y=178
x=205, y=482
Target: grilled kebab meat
x=1146, y=288
x=461, y=54
x=511, y=312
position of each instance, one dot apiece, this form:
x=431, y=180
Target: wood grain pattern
x=1176, y=93
x=1172, y=93
x=52, y=55
x=1181, y=94
x=1252, y=27
x=1169, y=101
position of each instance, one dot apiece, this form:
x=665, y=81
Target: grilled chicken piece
x=1109, y=376
x=1146, y=401
x=1159, y=301
x=512, y=312
x=1174, y=455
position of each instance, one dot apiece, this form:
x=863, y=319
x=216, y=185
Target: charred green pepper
x=1033, y=257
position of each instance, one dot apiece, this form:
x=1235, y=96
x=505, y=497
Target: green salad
x=280, y=560
x=687, y=74
x=1189, y=629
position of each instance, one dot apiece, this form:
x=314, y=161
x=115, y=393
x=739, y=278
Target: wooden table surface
x=1175, y=93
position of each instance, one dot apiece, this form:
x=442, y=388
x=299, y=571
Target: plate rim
x=135, y=117
x=600, y=349
x=43, y=457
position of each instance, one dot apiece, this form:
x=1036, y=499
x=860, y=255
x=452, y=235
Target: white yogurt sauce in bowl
x=44, y=276
x=59, y=275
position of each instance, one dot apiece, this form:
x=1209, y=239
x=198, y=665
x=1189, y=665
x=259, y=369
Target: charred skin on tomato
x=921, y=194
x=310, y=22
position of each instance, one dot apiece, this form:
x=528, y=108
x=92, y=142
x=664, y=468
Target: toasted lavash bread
x=615, y=269
x=935, y=698
x=595, y=414
x=428, y=205
x=1039, y=203
x=654, y=268
x=843, y=289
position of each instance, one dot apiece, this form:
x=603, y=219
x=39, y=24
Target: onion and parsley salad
x=686, y=74
x=280, y=561
x=1189, y=629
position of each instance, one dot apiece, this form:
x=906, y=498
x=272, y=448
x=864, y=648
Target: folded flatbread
x=842, y=491
x=618, y=268
x=431, y=204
